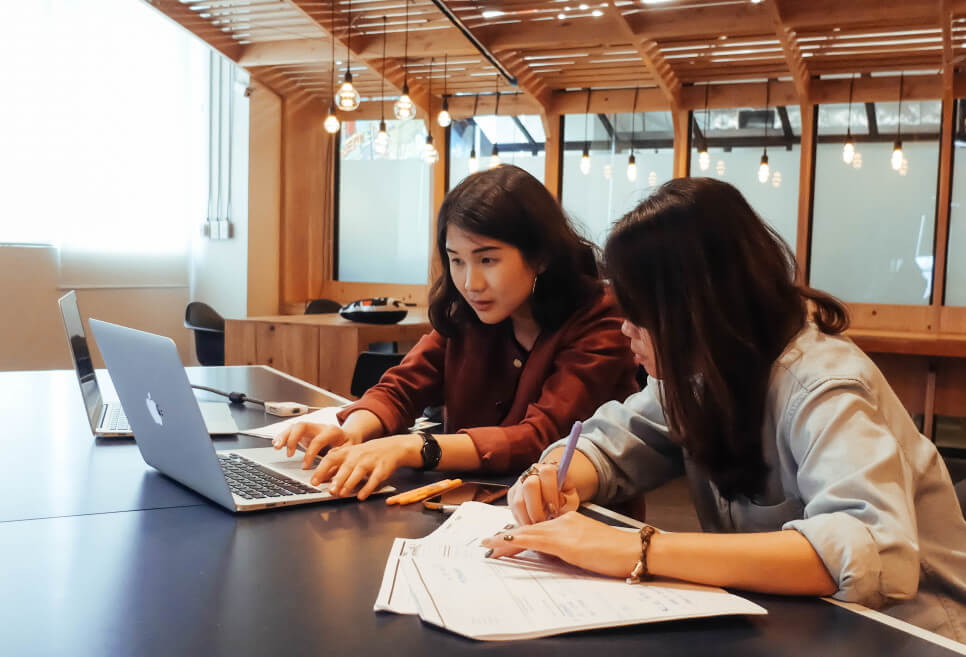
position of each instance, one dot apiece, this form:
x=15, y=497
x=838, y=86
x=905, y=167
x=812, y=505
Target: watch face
x=431, y=452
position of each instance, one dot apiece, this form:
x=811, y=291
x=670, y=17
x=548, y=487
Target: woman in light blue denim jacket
x=808, y=475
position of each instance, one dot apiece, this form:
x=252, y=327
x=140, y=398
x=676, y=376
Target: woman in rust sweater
x=526, y=340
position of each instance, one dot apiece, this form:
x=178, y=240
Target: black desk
x=192, y=579
x=53, y=466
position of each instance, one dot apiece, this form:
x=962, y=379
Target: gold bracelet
x=640, y=572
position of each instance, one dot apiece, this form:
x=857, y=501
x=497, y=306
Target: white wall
x=31, y=331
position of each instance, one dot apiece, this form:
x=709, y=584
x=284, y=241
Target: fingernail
x=553, y=509
x=489, y=553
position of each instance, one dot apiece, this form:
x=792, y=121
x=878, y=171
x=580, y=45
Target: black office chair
x=321, y=306
x=370, y=366
x=961, y=494
x=209, y=329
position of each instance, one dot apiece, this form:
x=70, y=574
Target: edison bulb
x=631, y=168
x=494, y=158
x=381, y=143
x=763, y=170
x=897, y=155
x=704, y=159
x=652, y=178
x=331, y=123
x=444, y=118
x=720, y=167
x=585, y=163
x=404, y=109
x=848, y=151
x=348, y=96
x=430, y=154
x=473, y=164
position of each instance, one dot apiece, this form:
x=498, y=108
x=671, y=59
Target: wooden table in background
x=320, y=349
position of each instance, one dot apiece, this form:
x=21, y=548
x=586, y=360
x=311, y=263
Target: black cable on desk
x=233, y=397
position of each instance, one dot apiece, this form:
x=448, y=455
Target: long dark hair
x=508, y=204
x=714, y=285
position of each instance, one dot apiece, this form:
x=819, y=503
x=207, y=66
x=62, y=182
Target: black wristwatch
x=431, y=451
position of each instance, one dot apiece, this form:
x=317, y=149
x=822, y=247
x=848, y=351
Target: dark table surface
x=138, y=565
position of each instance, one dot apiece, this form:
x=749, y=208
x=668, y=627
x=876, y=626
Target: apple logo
x=154, y=410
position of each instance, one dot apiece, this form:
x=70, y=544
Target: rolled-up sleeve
x=858, y=491
x=628, y=445
x=406, y=389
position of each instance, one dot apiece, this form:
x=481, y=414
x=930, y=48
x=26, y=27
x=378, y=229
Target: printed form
x=529, y=595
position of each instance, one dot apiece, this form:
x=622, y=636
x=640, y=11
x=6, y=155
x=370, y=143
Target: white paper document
x=322, y=416
x=446, y=580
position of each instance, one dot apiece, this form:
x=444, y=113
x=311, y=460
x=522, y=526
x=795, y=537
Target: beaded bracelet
x=640, y=572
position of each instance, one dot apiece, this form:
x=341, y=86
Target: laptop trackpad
x=218, y=419
x=276, y=460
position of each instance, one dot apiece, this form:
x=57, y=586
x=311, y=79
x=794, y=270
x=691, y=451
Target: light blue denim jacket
x=848, y=470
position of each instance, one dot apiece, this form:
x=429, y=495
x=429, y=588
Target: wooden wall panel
x=908, y=376
x=951, y=387
x=289, y=348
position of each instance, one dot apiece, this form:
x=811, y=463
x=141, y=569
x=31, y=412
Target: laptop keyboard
x=115, y=419
x=250, y=480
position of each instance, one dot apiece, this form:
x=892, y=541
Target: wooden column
x=682, y=141
x=305, y=234
x=946, y=147
x=806, y=191
x=553, y=167
x=439, y=187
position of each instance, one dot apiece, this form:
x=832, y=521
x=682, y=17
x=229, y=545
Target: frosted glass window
x=872, y=230
x=602, y=195
x=384, y=204
x=956, y=251
x=520, y=141
x=735, y=138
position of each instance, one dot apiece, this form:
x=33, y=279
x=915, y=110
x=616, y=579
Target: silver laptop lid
x=161, y=407
x=81, y=354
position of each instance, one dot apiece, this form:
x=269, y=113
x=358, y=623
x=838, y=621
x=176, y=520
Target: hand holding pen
x=543, y=490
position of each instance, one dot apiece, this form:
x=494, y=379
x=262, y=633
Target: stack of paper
x=446, y=580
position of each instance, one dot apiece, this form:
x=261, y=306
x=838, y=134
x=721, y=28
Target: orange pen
x=423, y=492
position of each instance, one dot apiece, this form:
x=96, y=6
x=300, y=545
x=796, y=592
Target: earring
x=533, y=288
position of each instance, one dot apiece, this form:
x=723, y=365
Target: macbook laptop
x=170, y=434
x=107, y=417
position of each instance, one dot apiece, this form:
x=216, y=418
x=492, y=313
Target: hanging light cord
x=496, y=90
x=476, y=103
x=406, y=49
x=634, y=118
x=851, y=85
x=445, y=62
x=586, y=116
x=332, y=34
x=382, y=81
x=767, y=112
x=707, y=114
x=348, y=42
x=899, y=114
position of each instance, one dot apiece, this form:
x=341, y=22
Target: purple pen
x=568, y=454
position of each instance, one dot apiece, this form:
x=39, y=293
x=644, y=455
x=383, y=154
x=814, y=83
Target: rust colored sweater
x=511, y=403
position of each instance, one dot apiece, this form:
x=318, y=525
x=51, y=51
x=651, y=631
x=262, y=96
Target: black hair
x=715, y=287
x=508, y=204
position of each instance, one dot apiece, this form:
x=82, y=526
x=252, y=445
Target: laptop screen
x=81, y=354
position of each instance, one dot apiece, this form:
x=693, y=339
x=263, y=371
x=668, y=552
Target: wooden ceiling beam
x=791, y=50
x=701, y=22
x=294, y=51
x=650, y=52
x=395, y=73
x=200, y=27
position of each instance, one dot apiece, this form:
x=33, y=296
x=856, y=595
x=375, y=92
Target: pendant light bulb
x=585, y=162
x=444, y=118
x=349, y=98
x=474, y=162
x=848, y=151
x=404, y=109
x=704, y=159
x=331, y=123
x=495, y=157
x=763, y=170
x=631, y=168
x=897, y=155
x=381, y=143
x=430, y=154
